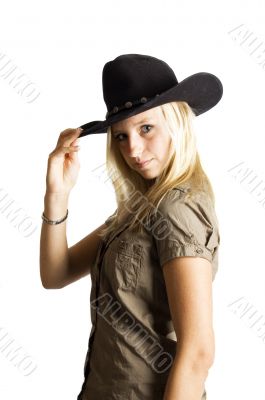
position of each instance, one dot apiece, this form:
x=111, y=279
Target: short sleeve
x=186, y=226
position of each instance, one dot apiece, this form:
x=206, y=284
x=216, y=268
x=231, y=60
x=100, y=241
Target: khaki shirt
x=132, y=342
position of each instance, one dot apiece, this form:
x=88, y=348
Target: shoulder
x=183, y=204
x=185, y=195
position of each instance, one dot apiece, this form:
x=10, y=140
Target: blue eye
x=121, y=134
x=147, y=125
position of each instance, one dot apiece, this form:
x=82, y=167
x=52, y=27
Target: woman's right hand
x=63, y=164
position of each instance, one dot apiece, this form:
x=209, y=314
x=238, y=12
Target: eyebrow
x=138, y=123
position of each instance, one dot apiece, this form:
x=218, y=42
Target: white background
x=62, y=48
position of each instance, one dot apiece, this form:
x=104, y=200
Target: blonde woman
x=153, y=261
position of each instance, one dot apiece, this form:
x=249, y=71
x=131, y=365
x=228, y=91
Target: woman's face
x=144, y=137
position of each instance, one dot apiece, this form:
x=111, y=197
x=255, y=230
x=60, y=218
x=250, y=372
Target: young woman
x=153, y=261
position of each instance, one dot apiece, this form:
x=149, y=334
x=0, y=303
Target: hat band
x=128, y=105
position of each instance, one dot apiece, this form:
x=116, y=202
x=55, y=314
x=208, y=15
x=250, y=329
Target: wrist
x=56, y=195
x=55, y=205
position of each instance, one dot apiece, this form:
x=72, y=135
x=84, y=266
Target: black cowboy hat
x=134, y=83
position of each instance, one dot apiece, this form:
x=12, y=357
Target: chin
x=148, y=176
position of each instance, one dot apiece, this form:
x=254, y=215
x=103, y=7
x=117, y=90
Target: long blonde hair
x=134, y=195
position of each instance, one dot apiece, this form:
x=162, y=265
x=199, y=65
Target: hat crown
x=133, y=78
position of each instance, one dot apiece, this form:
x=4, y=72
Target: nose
x=135, y=147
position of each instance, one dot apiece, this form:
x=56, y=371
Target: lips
x=141, y=164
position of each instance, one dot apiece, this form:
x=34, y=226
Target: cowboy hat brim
x=201, y=91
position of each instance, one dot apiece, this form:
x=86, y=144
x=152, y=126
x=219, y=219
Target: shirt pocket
x=125, y=263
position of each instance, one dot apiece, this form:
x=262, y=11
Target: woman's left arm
x=189, y=289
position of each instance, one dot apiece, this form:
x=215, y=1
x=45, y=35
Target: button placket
x=103, y=248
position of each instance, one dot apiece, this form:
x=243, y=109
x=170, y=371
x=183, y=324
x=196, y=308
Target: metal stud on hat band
x=128, y=104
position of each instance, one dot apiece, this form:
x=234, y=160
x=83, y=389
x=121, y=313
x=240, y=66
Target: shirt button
x=199, y=250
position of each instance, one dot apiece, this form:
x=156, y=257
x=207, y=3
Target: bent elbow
x=49, y=285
